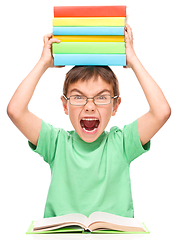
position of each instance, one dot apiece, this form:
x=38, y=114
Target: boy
x=89, y=167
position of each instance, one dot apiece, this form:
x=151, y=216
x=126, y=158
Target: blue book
x=90, y=59
x=88, y=31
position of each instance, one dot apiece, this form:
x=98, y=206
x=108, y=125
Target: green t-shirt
x=89, y=177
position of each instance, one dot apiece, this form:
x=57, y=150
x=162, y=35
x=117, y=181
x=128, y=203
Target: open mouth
x=89, y=125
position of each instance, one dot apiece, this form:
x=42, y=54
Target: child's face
x=90, y=120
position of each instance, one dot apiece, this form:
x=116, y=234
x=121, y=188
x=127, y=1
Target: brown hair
x=84, y=73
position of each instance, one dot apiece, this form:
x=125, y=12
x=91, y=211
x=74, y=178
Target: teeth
x=90, y=130
x=96, y=124
x=89, y=119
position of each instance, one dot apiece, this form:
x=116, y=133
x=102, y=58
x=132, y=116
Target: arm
x=17, y=109
x=155, y=118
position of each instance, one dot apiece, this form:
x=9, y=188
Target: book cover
x=90, y=59
x=93, y=21
x=89, y=47
x=90, y=11
x=88, y=31
x=90, y=38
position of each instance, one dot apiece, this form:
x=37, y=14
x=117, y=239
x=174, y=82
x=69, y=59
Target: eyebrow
x=77, y=90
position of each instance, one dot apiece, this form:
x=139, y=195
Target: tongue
x=89, y=124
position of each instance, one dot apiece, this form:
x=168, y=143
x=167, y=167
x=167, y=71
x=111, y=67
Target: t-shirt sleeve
x=131, y=143
x=47, y=142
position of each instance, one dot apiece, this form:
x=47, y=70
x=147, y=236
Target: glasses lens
x=102, y=99
x=78, y=100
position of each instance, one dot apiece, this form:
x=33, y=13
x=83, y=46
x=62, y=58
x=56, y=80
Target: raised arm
x=17, y=109
x=160, y=111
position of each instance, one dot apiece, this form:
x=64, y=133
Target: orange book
x=91, y=38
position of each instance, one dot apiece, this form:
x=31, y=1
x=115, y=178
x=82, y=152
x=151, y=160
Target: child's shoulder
x=128, y=128
x=48, y=129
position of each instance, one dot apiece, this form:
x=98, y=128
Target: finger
x=47, y=37
x=127, y=38
x=129, y=31
x=54, y=40
x=128, y=26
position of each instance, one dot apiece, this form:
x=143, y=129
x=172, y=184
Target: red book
x=90, y=11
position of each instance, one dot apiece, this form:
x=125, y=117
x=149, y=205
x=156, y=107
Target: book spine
x=90, y=59
x=89, y=47
x=91, y=38
x=93, y=21
x=88, y=31
x=90, y=11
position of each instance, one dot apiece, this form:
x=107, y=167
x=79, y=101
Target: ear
x=115, y=108
x=64, y=103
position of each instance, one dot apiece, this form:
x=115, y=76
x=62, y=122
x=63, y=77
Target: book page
x=113, y=219
x=74, y=218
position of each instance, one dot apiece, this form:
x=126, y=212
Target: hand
x=130, y=53
x=47, y=57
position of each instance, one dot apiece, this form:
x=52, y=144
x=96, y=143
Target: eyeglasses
x=80, y=100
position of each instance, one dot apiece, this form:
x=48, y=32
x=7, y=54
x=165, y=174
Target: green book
x=97, y=222
x=89, y=47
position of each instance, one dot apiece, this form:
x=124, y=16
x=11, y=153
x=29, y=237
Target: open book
x=96, y=222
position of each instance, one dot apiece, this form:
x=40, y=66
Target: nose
x=90, y=106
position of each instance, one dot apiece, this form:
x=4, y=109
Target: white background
x=25, y=177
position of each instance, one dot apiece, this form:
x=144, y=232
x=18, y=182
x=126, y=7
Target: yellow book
x=91, y=38
x=90, y=21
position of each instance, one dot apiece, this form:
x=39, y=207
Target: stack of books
x=89, y=35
